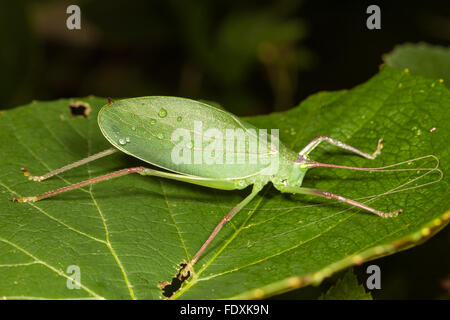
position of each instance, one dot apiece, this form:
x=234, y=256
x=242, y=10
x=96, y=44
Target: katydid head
x=304, y=161
x=291, y=172
x=299, y=167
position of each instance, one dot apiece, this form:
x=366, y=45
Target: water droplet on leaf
x=162, y=113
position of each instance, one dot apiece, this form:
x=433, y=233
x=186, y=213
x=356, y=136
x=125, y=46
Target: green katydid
x=144, y=128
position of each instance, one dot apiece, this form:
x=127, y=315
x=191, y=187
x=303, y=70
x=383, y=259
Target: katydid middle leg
x=228, y=217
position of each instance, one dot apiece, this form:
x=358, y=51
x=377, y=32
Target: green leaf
x=128, y=234
x=346, y=288
x=422, y=59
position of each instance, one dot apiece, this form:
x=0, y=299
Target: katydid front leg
x=317, y=140
x=329, y=195
x=302, y=157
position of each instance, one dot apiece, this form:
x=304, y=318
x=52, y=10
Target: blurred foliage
x=16, y=53
x=222, y=51
x=422, y=273
x=422, y=59
x=346, y=288
x=251, y=57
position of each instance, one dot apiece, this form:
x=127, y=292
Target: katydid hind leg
x=329, y=195
x=212, y=183
x=78, y=185
x=70, y=166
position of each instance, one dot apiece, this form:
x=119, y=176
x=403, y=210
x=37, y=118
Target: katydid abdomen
x=190, y=138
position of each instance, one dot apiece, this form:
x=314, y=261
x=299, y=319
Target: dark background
x=251, y=57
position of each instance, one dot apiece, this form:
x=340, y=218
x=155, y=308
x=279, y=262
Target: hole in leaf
x=80, y=109
x=168, y=289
